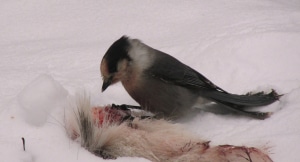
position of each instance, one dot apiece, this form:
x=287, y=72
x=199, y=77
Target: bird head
x=115, y=61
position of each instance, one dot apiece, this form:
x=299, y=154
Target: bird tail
x=239, y=102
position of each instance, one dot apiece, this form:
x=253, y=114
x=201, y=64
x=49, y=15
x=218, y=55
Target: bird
x=166, y=87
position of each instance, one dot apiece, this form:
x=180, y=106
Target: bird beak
x=106, y=83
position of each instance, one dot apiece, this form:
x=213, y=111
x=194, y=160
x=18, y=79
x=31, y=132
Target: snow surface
x=39, y=98
x=51, y=49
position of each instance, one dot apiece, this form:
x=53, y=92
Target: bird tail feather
x=239, y=102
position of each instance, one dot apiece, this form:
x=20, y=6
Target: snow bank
x=40, y=97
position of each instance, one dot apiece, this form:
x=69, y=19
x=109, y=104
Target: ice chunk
x=40, y=97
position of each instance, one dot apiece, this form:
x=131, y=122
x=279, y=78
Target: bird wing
x=172, y=71
x=168, y=69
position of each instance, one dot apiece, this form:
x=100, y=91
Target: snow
x=39, y=98
x=51, y=49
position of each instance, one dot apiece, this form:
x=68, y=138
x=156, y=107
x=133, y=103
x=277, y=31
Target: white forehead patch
x=141, y=54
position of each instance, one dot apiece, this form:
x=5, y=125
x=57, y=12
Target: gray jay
x=165, y=86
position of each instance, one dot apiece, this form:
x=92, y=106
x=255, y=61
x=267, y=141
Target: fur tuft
x=102, y=131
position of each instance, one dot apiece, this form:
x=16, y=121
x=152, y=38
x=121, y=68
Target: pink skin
x=101, y=114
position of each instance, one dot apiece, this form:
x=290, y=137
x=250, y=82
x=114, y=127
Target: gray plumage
x=163, y=85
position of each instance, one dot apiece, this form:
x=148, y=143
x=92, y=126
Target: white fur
x=156, y=140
